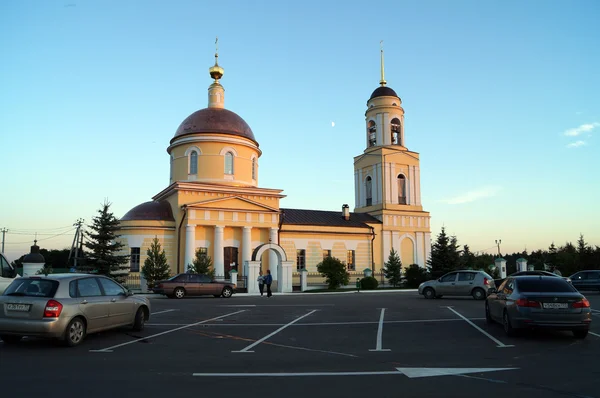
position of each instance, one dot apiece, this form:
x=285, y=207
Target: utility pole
x=4, y=231
x=498, y=241
x=76, y=242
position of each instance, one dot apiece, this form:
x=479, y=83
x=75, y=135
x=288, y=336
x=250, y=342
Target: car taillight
x=528, y=303
x=485, y=281
x=581, y=304
x=53, y=309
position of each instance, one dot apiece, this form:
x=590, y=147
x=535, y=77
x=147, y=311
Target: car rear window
x=30, y=287
x=543, y=285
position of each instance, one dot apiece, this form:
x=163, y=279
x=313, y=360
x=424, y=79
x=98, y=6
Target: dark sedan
x=539, y=302
x=498, y=282
x=182, y=285
x=586, y=280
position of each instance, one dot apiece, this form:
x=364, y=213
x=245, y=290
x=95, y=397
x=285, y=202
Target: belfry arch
x=284, y=268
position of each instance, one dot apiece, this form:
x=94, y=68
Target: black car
x=586, y=280
x=498, y=282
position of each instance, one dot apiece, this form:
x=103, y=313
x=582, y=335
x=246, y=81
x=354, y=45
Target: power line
x=28, y=233
x=39, y=240
x=39, y=229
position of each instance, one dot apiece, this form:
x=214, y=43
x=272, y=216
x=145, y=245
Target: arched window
x=254, y=168
x=372, y=131
x=401, y=189
x=229, y=163
x=193, y=162
x=369, y=191
x=395, y=130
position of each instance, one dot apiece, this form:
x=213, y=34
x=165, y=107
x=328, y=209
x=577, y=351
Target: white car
x=7, y=273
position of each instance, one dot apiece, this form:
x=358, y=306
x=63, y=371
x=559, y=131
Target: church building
x=214, y=204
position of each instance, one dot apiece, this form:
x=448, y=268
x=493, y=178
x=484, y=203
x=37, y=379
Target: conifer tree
x=445, y=256
x=104, y=257
x=155, y=266
x=393, y=268
x=202, y=265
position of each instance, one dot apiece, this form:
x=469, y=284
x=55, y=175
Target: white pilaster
x=190, y=247
x=218, y=255
x=418, y=185
x=427, y=247
x=246, y=244
x=393, y=184
x=380, y=129
x=412, y=179
x=361, y=189
x=387, y=133
x=272, y=255
x=376, y=185
x=356, y=189
x=420, y=252
x=395, y=243
x=387, y=238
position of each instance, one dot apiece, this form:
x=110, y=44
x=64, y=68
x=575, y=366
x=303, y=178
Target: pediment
x=231, y=203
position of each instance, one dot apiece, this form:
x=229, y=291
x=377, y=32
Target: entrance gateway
x=282, y=274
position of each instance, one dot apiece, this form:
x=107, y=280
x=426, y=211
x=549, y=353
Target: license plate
x=18, y=307
x=562, y=306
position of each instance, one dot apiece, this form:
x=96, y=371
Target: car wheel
x=580, y=334
x=75, y=332
x=429, y=293
x=179, y=293
x=478, y=293
x=227, y=292
x=508, y=329
x=140, y=320
x=488, y=316
x=10, y=339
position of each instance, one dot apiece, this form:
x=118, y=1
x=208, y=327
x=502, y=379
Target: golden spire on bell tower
x=216, y=72
x=382, y=82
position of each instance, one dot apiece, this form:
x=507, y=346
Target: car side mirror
x=128, y=293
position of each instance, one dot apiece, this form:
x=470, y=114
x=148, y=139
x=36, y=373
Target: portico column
x=219, y=260
x=272, y=255
x=246, y=244
x=190, y=238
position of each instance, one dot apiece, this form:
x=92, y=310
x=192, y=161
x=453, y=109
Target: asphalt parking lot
x=351, y=345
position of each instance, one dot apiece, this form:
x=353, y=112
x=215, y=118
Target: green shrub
x=334, y=272
x=415, y=275
x=369, y=283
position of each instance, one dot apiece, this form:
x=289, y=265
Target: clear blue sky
x=501, y=100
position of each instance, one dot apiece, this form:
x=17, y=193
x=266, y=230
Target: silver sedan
x=68, y=307
x=539, y=302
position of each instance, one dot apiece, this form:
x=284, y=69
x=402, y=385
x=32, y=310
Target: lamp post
x=498, y=241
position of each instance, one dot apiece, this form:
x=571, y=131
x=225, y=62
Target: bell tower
x=387, y=178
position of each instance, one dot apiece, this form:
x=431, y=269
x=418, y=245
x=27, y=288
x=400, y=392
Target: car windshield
x=544, y=285
x=32, y=288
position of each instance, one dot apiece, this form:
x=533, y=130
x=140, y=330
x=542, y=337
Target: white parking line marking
x=380, y=333
x=277, y=305
x=322, y=324
x=312, y=374
x=274, y=333
x=495, y=340
x=110, y=349
x=595, y=334
x=162, y=312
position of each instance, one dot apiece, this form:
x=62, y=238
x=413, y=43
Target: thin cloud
x=576, y=144
x=584, y=128
x=472, y=196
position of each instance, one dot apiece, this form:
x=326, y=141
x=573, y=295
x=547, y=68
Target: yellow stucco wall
x=407, y=251
x=211, y=163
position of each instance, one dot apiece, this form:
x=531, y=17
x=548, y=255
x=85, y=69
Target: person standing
x=261, y=282
x=268, y=281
